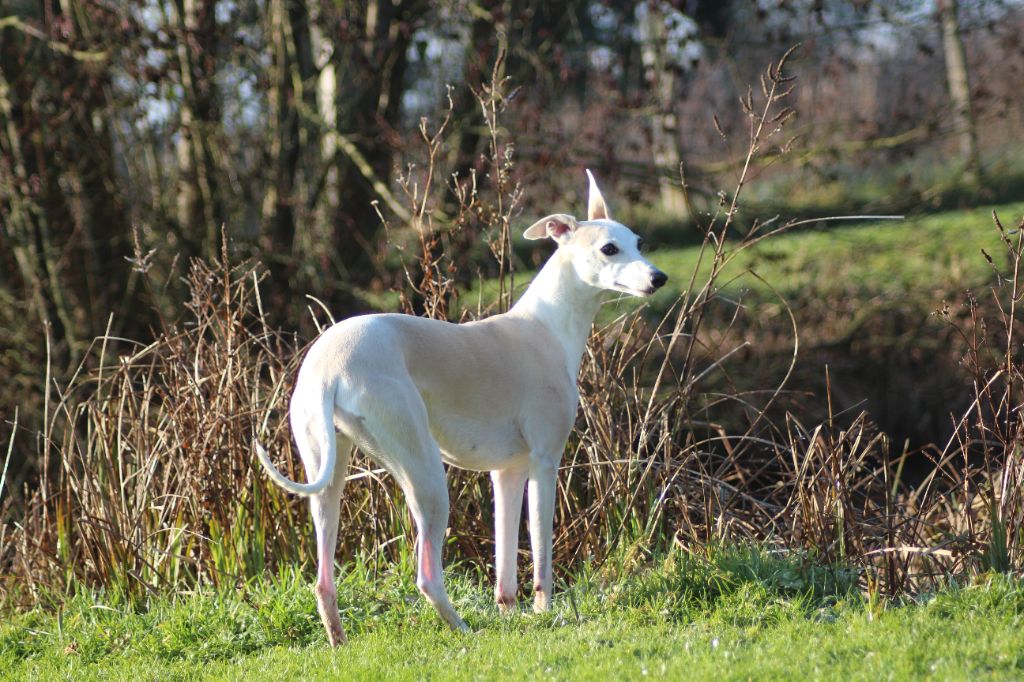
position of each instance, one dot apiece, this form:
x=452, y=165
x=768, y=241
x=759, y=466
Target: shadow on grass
x=740, y=584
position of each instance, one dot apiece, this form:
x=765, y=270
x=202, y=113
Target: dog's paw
x=506, y=603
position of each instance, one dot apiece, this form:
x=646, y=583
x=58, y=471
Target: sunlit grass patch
x=728, y=613
x=940, y=251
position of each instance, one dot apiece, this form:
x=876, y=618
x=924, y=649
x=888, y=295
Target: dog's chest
x=481, y=445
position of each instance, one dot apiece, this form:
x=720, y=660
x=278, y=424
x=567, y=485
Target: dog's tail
x=326, y=464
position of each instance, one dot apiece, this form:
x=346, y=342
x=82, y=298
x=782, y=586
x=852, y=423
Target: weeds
x=149, y=480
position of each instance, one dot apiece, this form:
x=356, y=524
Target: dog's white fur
x=496, y=395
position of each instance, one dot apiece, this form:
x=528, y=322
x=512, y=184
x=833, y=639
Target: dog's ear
x=558, y=226
x=596, y=208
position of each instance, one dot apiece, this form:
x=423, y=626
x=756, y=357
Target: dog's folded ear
x=597, y=209
x=558, y=226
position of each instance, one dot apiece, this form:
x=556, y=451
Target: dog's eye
x=609, y=249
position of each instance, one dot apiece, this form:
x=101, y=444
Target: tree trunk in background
x=958, y=77
x=323, y=198
x=293, y=129
x=67, y=223
x=664, y=129
x=372, y=41
x=27, y=220
x=478, y=58
x=99, y=211
x=200, y=213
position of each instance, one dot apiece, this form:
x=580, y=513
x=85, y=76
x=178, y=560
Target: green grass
x=739, y=614
x=937, y=251
x=940, y=251
x=919, y=184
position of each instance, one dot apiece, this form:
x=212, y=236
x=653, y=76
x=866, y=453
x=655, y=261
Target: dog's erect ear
x=596, y=208
x=558, y=226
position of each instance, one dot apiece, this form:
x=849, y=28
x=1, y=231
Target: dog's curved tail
x=327, y=463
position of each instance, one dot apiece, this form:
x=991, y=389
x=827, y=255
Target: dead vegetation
x=149, y=481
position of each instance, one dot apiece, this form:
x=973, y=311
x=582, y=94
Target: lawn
x=887, y=258
x=735, y=614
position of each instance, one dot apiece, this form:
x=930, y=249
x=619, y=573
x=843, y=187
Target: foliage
x=148, y=490
x=737, y=612
x=158, y=125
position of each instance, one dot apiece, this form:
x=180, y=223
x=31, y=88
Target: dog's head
x=604, y=253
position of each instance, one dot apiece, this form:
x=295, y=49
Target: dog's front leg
x=508, y=505
x=543, y=478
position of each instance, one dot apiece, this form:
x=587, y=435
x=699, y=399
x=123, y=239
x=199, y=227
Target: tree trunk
x=370, y=64
x=323, y=197
x=477, y=59
x=200, y=213
x=293, y=129
x=67, y=222
x=664, y=129
x=958, y=77
x=26, y=223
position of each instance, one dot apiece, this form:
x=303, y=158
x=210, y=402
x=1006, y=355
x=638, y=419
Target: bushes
x=149, y=480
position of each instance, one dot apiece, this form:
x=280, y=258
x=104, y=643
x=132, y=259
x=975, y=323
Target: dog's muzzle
x=658, y=279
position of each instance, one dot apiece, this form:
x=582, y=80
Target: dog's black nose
x=658, y=279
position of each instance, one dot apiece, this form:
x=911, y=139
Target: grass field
x=884, y=257
x=893, y=255
x=940, y=250
x=735, y=614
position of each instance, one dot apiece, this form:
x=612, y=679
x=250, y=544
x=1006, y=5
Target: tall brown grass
x=150, y=483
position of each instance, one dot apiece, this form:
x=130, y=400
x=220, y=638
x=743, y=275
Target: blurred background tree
x=133, y=133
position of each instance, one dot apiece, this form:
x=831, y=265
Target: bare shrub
x=152, y=484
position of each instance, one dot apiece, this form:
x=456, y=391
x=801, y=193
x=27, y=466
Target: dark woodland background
x=135, y=135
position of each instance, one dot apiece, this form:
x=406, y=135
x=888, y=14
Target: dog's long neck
x=563, y=303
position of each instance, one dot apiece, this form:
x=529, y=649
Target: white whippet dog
x=496, y=395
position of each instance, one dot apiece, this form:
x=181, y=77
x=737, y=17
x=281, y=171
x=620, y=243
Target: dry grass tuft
x=150, y=482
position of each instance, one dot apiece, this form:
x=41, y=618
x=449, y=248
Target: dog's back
x=480, y=381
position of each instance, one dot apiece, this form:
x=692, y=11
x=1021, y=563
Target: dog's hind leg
x=326, y=509
x=394, y=431
x=428, y=502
